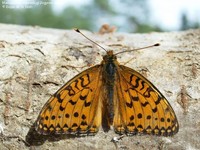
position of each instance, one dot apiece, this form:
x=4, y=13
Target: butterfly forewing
x=143, y=109
x=74, y=107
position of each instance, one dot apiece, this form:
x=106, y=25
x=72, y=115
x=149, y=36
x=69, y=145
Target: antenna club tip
x=157, y=44
x=77, y=30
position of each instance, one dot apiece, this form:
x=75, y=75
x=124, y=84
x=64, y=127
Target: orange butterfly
x=108, y=94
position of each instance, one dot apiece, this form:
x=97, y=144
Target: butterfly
x=108, y=95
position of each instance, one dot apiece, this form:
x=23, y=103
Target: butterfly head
x=109, y=57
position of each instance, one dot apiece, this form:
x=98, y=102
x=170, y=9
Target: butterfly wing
x=74, y=108
x=140, y=107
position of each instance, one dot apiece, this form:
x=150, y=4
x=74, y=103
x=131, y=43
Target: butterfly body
x=108, y=77
x=108, y=94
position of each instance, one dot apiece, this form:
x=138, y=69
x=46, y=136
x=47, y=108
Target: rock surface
x=35, y=62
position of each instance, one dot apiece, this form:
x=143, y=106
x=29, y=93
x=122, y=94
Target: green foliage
x=144, y=28
x=128, y=15
x=102, y=5
x=186, y=24
x=72, y=17
x=41, y=15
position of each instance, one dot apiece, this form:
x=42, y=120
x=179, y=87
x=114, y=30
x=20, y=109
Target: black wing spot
x=147, y=92
x=140, y=126
x=76, y=84
x=167, y=110
x=67, y=115
x=74, y=125
x=71, y=92
x=49, y=108
x=51, y=126
x=131, y=78
x=148, y=128
x=163, y=129
x=132, y=118
x=46, y=118
x=142, y=85
x=136, y=98
x=53, y=117
x=83, y=123
x=130, y=105
x=85, y=82
x=148, y=117
x=155, y=110
x=156, y=127
x=58, y=97
x=58, y=125
x=135, y=130
x=137, y=83
x=162, y=119
x=61, y=108
x=139, y=115
x=168, y=120
x=158, y=100
x=65, y=126
x=145, y=104
x=87, y=104
x=72, y=102
x=83, y=117
x=131, y=124
x=83, y=97
x=169, y=128
x=76, y=114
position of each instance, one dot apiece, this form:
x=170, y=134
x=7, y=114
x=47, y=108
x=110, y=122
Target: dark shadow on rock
x=33, y=138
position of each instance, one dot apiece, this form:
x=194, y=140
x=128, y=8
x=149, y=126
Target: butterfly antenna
x=157, y=44
x=77, y=30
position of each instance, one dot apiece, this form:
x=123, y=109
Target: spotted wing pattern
x=74, y=108
x=140, y=107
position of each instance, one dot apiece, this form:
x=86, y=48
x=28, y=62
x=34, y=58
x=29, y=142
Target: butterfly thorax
x=109, y=58
x=108, y=74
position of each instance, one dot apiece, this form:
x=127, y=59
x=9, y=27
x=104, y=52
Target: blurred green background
x=126, y=15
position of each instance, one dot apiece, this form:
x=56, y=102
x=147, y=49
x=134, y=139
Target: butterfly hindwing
x=74, y=107
x=142, y=108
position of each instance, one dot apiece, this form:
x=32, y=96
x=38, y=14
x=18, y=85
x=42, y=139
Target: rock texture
x=35, y=62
